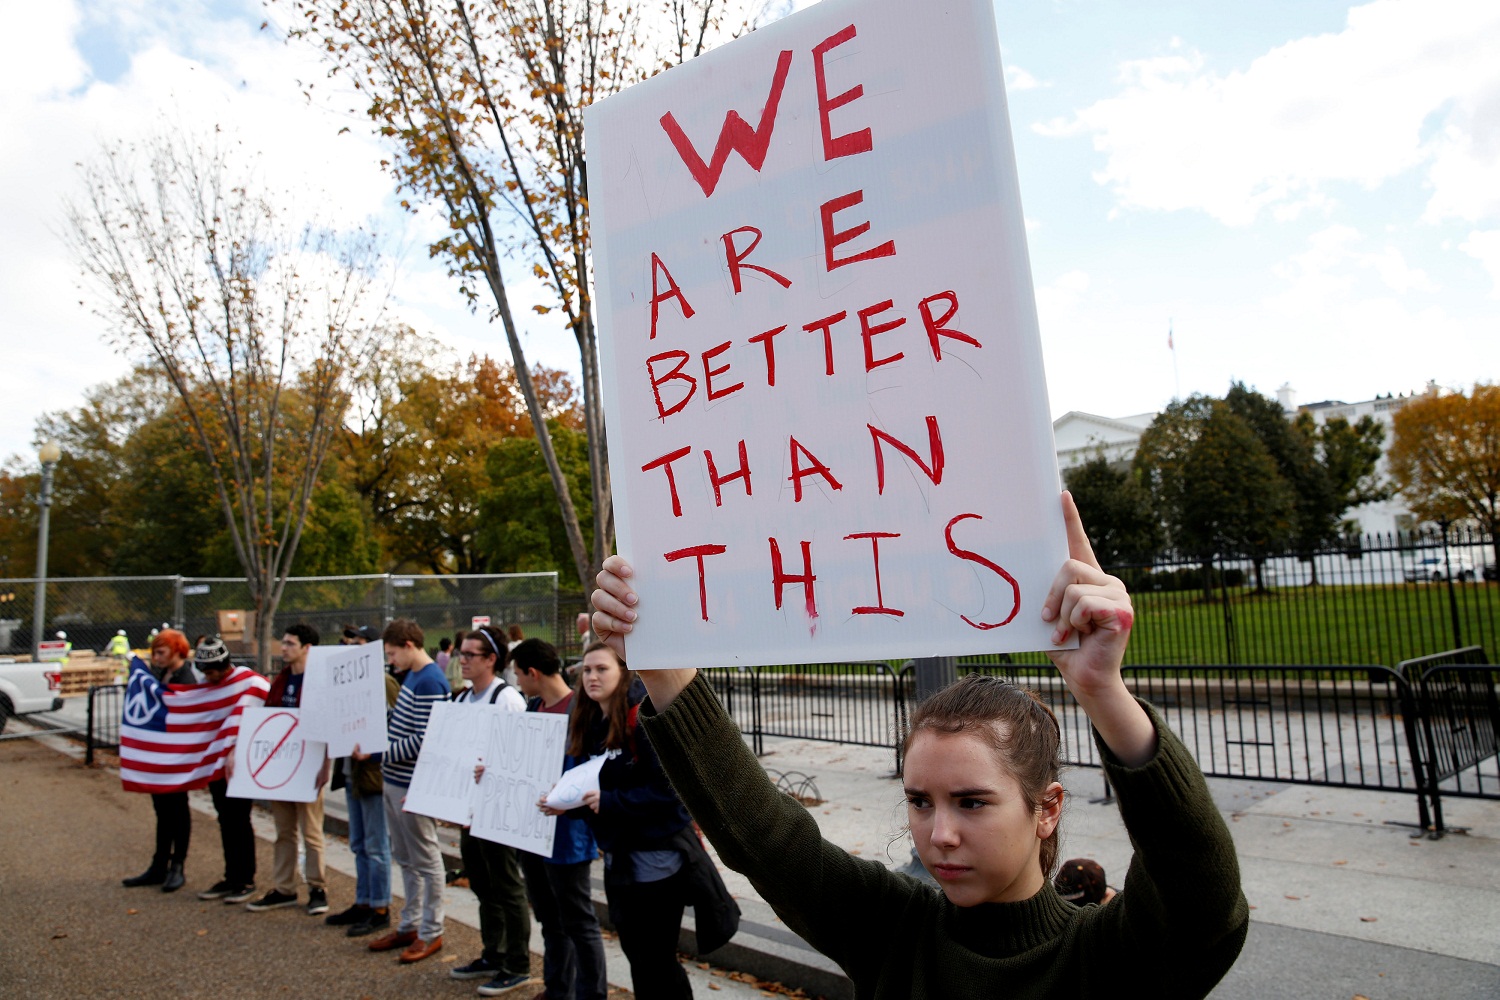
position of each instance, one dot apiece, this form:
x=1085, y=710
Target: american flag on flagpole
x=174, y=737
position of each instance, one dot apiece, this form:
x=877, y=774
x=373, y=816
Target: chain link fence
x=91, y=610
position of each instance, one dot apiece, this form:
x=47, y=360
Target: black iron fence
x=1430, y=728
x=106, y=705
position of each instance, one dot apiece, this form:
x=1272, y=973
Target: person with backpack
x=558, y=883
x=493, y=870
x=654, y=864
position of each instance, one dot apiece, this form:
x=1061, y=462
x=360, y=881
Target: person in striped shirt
x=414, y=839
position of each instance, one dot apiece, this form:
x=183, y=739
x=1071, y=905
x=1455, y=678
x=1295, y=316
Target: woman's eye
x=971, y=803
x=916, y=802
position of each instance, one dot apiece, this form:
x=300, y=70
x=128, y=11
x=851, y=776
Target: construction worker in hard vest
x=119, y=648
x=67, y=647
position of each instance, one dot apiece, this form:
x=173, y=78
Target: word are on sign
x=829, y=432
x=343, y=698
x=274, y=759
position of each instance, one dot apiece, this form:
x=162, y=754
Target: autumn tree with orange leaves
x=415, y=444
x=482, y=103
x=1445, y=458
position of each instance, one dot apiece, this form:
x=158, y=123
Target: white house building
x=1081, y=436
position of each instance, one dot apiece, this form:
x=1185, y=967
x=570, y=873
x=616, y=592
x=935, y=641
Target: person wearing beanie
x=236, y=836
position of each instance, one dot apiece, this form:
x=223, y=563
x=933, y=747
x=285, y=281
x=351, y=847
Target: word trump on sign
x=829, y=428
x=274, y=759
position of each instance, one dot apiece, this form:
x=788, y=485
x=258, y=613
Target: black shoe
x=480, y=968
x=218, y=890
x=240, y=893
x=378, y=920
x=356, y=914
x=273, y=900
x=151, y=876
x=174, y=879
x=317, y=902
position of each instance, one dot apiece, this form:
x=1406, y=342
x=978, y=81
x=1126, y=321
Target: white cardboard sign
x=577, y=782
x=442, y=783
x=343, y=698
x=829, y=431
x=273, y=759
x=523, y=759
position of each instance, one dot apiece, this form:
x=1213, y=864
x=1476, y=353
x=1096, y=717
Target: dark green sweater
x=1174, y=930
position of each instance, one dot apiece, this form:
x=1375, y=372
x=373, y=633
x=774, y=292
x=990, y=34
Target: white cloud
x=1017, y=80
x=1405, y=84
x=1485, y=248
x=1057, y=301
x=1337, y=265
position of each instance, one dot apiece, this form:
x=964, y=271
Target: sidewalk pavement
x=1344, y=901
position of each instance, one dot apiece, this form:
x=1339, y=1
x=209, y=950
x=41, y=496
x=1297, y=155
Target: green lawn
x=1376, y=624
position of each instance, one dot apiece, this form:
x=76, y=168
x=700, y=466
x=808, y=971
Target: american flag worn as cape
x=174, y=737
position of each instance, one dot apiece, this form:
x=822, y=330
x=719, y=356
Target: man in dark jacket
x=286, y=692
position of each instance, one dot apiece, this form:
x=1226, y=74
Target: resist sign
x=273, y=759
x=828, y=425
x=343, y=698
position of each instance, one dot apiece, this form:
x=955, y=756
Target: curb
x=760, y=950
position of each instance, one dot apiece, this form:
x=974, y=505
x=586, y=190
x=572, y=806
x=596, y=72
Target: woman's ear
x=1050, y=813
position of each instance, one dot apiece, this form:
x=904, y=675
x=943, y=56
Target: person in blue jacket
x=558, y=886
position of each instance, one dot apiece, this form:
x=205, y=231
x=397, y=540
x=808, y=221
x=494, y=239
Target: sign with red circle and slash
x=273, y=760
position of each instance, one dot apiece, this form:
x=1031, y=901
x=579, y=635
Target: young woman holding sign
x=983, y=802
x=654, y=865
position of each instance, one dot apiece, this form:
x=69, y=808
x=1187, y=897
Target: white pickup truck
x=28, y=687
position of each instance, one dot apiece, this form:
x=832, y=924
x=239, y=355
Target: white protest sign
x=273, y=759
x=829, y=431
x=343, y=698
x=442, y=783
x=570, y=789
x=523, y=758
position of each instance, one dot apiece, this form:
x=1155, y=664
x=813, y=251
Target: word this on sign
x=274, y=759
x=523, y=759
x=343, y=698
x=830, y=436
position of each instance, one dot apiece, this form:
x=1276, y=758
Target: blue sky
x=1307, y=191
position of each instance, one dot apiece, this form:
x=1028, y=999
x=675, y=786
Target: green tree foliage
x=521, y=528
x=1214, y=483
x=1117, y=511
x=134, y=497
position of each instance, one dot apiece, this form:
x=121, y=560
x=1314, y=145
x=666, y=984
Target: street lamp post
x=49, y=454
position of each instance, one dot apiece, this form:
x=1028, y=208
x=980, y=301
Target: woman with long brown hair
x=654, y=865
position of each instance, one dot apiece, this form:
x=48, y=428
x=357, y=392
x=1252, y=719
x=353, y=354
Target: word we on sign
x=829, y=432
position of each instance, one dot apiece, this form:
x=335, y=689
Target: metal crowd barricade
x=106, y=702
x=739, y=690
x=829, y=702
x=1460, y=724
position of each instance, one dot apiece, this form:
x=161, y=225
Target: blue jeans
x=371, y=845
